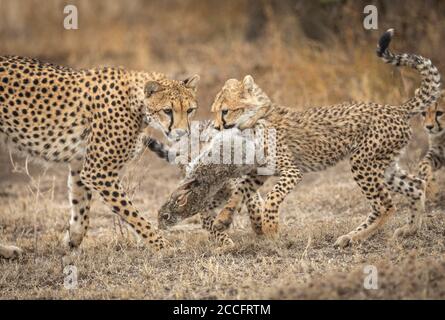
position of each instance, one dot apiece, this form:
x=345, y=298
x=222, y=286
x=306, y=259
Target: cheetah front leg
x=221, y=238
x=225, y=217
x=411, y=187
x=245, y=192
x=208, y=219
x=80, y=200
x=290, y=176
x=430, y=163
x=110, y=189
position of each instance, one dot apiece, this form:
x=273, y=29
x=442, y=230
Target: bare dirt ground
x=301, y=264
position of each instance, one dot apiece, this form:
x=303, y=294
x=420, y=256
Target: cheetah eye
x=439, y=113
x=224, y=112
x=189, y=111
x=423, y=113
x=168, y=111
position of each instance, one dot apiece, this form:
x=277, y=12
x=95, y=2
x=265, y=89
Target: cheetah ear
x=152, y=87
x=192, y=82
x=248, y=84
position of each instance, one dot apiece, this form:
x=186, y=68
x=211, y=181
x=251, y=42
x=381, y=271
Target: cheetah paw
x=10, y=252
x=270, y=231
x=405, y=231
x=432, y=191
x=222, y=221
x=72, y=241
x=164, y=245
x=226, y=246
x=343, y=241
x=258, y=229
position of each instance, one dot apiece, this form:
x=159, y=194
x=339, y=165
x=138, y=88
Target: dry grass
x=301, y=264
x=185, y=37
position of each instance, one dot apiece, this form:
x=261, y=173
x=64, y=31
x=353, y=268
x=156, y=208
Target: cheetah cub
x=372, y=136
x=434, y=123
x=93, y=120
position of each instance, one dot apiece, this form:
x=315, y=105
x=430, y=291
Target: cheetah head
x=170, y=104
x=240, y=104
x=178, y=207
x=434, y=119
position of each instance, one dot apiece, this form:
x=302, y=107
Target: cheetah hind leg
x=10, y=252
x=369, y=175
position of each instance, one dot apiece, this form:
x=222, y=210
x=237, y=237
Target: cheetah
x=372, y=136
x=93, y=120
x=434, y=123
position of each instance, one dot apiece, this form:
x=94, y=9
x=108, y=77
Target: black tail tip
x=384, y=41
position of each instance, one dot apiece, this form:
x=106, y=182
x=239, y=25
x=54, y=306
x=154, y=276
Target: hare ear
x=192, y=82
x=183, y=192
x=248, y=84
x=152, y=87
x=182, y=198
x=187, y=184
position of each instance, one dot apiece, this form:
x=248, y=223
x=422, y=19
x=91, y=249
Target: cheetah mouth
x=229, y=126
x=436, y=131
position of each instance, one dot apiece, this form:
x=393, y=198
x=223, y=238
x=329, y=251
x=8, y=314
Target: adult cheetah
x=371, y=135
x=92, y=120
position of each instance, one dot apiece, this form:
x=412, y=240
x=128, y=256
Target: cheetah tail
x=157, y=147
x=429, y=91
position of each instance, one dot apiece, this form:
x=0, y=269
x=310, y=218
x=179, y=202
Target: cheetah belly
x=319, y=155
x=49, y=142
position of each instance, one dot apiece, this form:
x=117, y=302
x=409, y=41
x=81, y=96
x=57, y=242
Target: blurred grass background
x=301, y=52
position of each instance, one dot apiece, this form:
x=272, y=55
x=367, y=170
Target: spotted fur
x=92, y=120
x=434, y=124
x=372, y=136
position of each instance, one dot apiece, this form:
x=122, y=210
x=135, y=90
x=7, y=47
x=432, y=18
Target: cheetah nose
x=429, y=127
